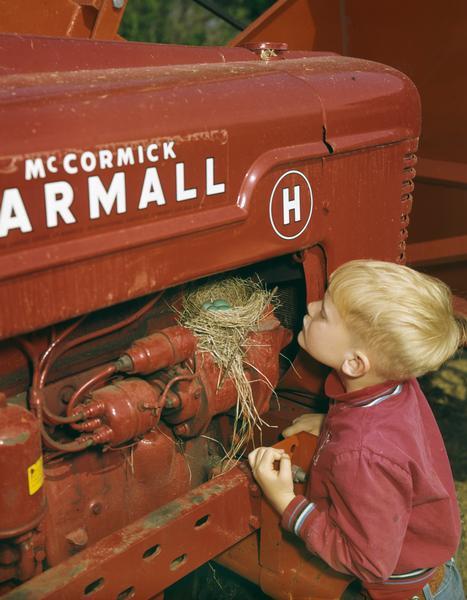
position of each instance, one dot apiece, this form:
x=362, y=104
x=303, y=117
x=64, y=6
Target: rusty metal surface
x=94, y=492
x=22, y=499
x=35, y=54
x=100, y=490
x=153, y=552
x=97, y=493
x=214, y=166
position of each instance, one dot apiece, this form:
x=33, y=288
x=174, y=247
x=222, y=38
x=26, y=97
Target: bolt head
x=182, y=429
x=40, y=555
x=96, y=508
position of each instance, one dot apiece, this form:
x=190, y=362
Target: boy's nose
x=313, y=308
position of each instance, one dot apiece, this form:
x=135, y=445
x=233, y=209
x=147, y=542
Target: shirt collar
x=334, y=390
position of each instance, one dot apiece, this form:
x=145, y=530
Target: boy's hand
x=311, y=423
x=277, y=485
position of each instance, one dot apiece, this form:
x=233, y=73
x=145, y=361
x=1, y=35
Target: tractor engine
x=129, y=437
x=133, y=177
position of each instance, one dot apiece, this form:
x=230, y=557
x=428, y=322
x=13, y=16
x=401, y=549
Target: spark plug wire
x=41, y=367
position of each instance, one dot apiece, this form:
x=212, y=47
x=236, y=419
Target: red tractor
x=133, y=176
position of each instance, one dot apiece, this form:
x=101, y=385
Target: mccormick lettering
x=102, y=159
x=106, y=198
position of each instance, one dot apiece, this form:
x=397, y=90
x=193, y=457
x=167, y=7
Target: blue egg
x=222, y=304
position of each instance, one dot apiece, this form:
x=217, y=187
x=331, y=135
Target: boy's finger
x=261, y=453
x=260, y=458
x=253, y=457
x=291, y=429
x=276, y=453
x=270, y=456
x=285, y=467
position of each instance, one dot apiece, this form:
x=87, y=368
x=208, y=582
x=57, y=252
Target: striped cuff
x=295, y=514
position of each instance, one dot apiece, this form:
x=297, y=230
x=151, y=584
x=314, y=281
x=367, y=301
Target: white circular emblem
x=291, y=205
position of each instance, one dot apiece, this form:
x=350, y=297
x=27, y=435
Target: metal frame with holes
x=144, y=558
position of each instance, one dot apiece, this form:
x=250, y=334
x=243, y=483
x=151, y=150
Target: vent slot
x=408, y=175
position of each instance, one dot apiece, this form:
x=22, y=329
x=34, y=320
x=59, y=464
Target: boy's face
x=324, y=334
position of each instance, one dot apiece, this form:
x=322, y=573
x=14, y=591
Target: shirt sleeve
x=362, y=527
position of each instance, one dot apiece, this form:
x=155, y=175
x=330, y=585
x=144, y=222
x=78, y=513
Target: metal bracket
x=144, y=558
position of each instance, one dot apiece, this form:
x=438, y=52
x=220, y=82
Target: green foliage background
x=185, y=22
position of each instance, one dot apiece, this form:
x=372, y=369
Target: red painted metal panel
x=429, y=46
x=99, y=19
x=155, y=551
x=123, y=165
x=36, y=54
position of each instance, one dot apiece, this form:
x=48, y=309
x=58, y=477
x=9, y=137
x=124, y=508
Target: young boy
x=381, y=503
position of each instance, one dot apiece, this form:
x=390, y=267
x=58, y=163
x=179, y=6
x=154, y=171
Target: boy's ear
x=356, y=364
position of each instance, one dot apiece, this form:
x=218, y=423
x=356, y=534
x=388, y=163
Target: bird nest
x=222, y=314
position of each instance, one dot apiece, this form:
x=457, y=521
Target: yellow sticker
x=35, y=476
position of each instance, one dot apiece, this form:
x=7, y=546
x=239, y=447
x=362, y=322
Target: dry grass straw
x=224, y=333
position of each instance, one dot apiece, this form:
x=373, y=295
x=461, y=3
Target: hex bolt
x=182, y=429
x=298, y=474
x=96, y=508
x=40, y=555
x=267, y=50
x=172, y=402
x=147, y=406
x=267, y=54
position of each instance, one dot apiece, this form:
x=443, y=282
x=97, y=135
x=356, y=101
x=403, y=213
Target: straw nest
x=222, y=314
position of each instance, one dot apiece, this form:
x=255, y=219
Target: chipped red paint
x=161, y=547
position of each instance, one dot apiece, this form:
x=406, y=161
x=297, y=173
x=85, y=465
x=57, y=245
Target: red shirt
x=381, y=497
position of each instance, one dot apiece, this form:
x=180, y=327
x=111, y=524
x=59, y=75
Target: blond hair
x=404, y=318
